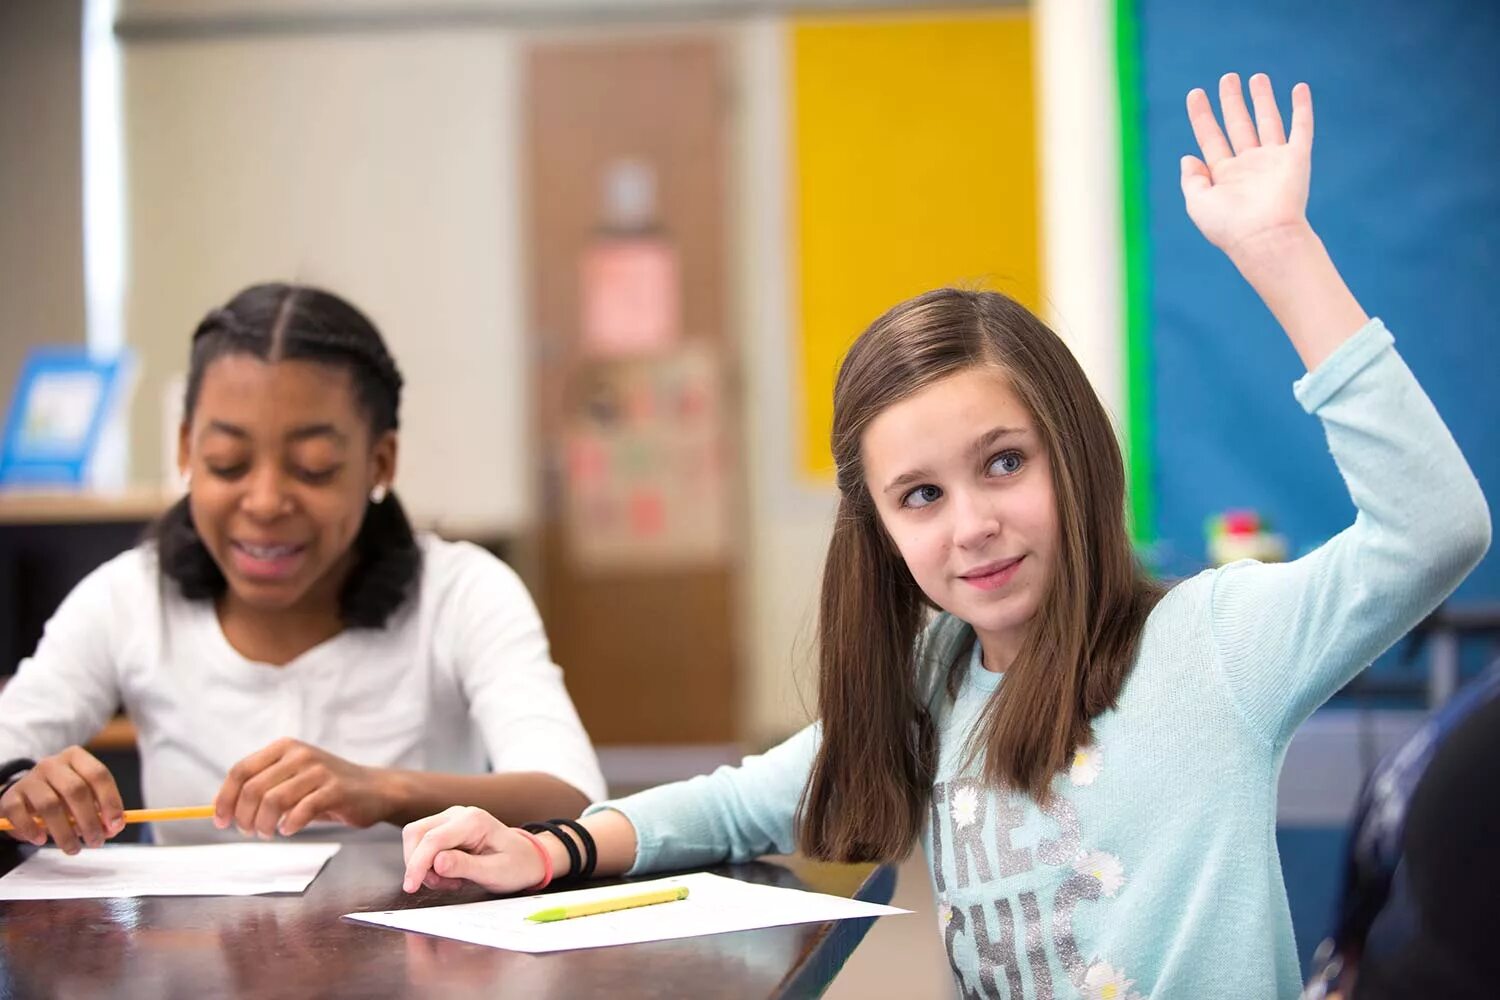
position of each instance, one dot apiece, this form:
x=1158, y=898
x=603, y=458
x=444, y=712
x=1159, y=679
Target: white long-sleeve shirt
x=459, y=680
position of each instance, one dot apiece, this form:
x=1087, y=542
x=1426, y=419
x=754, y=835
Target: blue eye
x=1007, y=463
x=921, y=497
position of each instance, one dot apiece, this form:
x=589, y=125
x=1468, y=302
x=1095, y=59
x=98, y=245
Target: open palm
x=1253, y=184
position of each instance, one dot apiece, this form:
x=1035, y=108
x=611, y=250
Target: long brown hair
x=876, y=760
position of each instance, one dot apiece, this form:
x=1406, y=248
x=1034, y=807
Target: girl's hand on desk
x=466, y=844
x=285, y=786
x=75, y=797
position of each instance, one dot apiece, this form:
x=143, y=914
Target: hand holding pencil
x=70, y=797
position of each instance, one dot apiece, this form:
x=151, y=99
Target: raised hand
x=1251, y=188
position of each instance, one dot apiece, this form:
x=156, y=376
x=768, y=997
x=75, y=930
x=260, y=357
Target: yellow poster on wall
x=914, y=166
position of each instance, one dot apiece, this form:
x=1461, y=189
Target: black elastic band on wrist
x=574, y=862
x=590, y=849
x=11, y=771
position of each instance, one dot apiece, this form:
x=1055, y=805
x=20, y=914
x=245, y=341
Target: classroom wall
x=1404, y=193
x=41, y=179
x=378, y=164
x=184, y=157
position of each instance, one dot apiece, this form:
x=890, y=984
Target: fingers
x=312, y=805
x=1211, y=141
x=226, y=803
x=24, y=826
x=1302, y=115
x=1236, y=116
x=1267, y=114
x=466, y=828
x=75, y=797
x=1195, y=176
x=443, y=837
x=1244, y=133
x=254, y=791
x=435, y=881
x=282, y=797
x=415, y=830
x=77, y=803
x=458, y=866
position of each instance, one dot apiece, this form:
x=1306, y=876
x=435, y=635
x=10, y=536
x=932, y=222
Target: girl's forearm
x=1292, y=273
x=614, y=838
x=514, y=798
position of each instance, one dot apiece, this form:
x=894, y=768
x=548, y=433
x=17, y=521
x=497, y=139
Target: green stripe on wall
x=1142, y=502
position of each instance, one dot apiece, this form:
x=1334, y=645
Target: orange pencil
x=150, y=815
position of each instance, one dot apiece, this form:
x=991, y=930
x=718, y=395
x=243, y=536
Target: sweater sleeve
x=1288, y=635
x=739, y=813
x=65, y=691
x=515, y=692
x=733, y=814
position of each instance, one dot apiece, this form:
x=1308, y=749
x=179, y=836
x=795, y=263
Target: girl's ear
x=383, y=459
x=184, y=450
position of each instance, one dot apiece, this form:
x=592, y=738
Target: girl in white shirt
x=286, y=646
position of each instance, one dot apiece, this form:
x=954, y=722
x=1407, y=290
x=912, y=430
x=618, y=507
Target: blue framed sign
x=62, y=401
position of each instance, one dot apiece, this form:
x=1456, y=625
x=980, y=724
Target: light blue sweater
x=1154, y=871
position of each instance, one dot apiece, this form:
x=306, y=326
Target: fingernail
x=406, y=885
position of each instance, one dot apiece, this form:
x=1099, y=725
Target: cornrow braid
x=277, y=322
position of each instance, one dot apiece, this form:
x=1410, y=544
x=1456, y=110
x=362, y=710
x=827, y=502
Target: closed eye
x=317, y=477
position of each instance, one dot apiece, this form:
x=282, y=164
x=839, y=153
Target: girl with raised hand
x=1089, y=762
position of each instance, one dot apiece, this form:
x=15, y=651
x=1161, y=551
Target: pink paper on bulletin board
x=647, y=464
x=631, y=292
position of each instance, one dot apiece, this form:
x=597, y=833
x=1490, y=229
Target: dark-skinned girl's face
x=282, y=461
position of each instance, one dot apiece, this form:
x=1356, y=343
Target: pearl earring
x=377, y=495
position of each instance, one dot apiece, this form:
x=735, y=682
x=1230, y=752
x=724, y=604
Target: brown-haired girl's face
x=963, y=486
x=282, y=465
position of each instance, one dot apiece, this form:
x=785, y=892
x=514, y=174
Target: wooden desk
x=297, y=946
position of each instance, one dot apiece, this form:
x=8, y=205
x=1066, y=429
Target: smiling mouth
x=990, y=569
x=266, y=564
x=992, y=576
x=267, y=552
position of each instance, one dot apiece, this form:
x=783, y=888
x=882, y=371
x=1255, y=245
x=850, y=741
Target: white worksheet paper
x=206, y=870
x=715, y=904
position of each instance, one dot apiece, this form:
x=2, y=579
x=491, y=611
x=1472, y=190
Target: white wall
x=379, y=165
x=41, y=179
x=789, y=520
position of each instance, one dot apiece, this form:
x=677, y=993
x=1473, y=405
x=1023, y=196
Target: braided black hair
x=282, y=322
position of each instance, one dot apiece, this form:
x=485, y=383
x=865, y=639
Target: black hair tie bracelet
x=590, y=850
x=574, y=862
